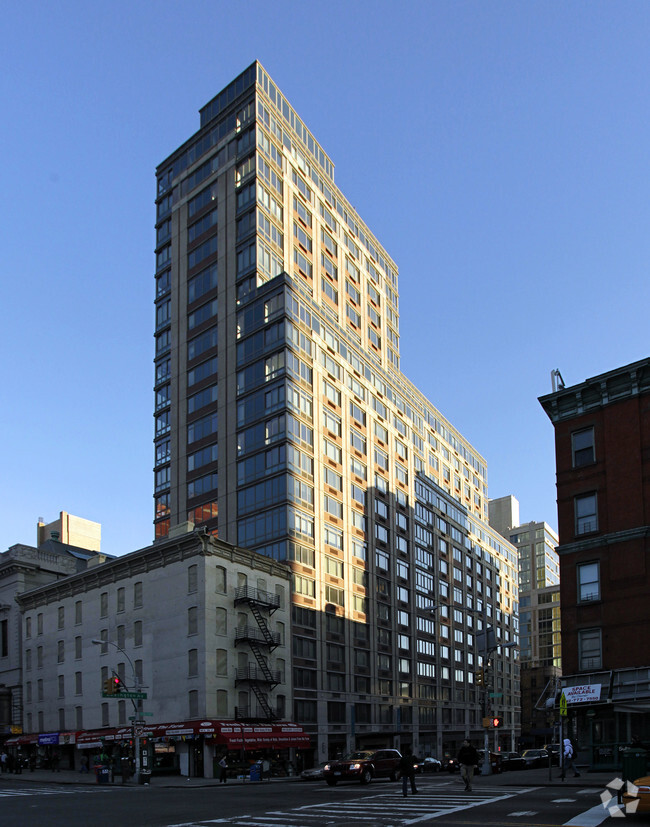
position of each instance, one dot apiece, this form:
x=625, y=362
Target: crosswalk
x=25, y=790
x=386, y=809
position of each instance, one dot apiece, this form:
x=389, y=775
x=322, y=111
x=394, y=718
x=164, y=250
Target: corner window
x=586, y=513
x=588, y=577
x=589, y=649
x=583, y=448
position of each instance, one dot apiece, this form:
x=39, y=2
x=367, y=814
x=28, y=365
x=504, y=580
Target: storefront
x=46, y=750
x=606, y=713
x=189, y=748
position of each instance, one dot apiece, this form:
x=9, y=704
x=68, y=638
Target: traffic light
x=496, y=722
x=113, y=686
x=480, y=677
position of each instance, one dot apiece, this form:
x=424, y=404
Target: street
x=500, y=800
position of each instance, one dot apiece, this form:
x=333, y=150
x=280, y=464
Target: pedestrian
x=84, y=764
x=125, y=764
x=224, y=770
x=569, y=757
x=55, y=761
x=3, y=761
x=266, y=768
x=468, y=759
x=407, y=771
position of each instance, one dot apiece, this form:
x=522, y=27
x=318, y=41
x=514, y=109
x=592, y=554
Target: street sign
x=563, y=711
x=496, y=694
x=136, y=696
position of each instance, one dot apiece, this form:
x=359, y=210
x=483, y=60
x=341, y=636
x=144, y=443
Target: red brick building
x=602, y=449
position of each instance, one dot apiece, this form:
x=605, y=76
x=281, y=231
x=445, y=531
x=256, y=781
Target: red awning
x=20, y=740
x=257, y=736
x=232, y=733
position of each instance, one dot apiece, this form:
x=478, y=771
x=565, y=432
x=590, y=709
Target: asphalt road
x=441, y=801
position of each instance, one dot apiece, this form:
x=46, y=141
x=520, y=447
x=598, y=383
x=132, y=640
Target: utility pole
x=134, y=694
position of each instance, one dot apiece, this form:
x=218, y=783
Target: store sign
x=49, y=738
x=582, y=694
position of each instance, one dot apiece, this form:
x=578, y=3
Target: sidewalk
x=88, y=778
x=522, y=778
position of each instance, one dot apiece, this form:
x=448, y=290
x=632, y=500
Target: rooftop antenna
x=557, y=383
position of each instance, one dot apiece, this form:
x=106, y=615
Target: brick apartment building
x=602, y=447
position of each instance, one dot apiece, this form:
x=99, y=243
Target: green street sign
x=136, y=696
x=496, y=694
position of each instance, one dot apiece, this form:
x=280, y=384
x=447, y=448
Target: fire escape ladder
x=262, y=662
x=263, y=701
x=264, y=627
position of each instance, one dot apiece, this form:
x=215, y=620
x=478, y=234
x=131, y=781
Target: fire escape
x=261, y=641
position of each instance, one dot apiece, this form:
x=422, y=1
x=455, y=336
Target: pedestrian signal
x=496, y=722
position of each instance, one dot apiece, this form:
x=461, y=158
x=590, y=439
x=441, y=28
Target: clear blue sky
x=498, y=150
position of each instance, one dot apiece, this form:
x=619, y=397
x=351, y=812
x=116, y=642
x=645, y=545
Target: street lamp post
x=137, y=688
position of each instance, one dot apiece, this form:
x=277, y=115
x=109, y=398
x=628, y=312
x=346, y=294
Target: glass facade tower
x=283, y=424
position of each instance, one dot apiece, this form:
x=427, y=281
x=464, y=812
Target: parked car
x=430, y=764
x=495, y=760
x=641, y=796
x=555, y=751
x=363, y=766
x=315, y=773
x=512, y=761
x=535, y=758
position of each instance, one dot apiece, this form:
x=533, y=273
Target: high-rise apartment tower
x=283, y=423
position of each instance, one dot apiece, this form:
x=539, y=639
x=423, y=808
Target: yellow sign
x=563, y=705
x=16, y=730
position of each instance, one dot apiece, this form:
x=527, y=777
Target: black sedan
x=512, y=761
x=535, y=758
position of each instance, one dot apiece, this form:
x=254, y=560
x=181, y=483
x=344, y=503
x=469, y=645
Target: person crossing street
x=468, y=759
x=407, y=771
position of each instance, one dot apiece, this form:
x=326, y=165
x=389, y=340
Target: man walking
x=468, y=759
x=407, y=771
x=569, y=761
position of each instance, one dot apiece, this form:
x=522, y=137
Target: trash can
x=256, y=772
x=103, y=774
x=144, y=778
x=635, y=762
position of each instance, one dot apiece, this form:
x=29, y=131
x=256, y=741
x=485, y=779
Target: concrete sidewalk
x=89, y=778
x=521, y=778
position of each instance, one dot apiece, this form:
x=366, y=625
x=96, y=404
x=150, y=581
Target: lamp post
x=137, y=687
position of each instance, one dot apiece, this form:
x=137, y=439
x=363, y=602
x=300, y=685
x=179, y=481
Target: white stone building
x=201, y=627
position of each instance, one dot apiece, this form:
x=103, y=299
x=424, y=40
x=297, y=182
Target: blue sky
x=498, y=151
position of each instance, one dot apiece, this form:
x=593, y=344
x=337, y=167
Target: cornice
x=602, y=540
x=160, y=555
x=599, y=391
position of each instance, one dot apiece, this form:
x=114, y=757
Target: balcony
x=254, y=674
x=253, y=634
x=257, y=597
